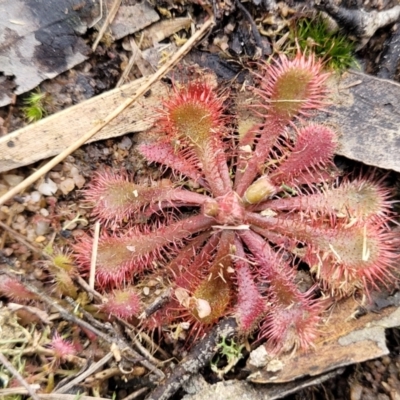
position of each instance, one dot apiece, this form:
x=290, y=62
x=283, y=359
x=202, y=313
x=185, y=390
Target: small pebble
x=7, y=251
x=40, y=239
x=67, y=185
x=386, y=360
x=79, y=180
x=65, y=234
x=47, y=188
x=44, y=212
x=5, y=210
x=42, y=228
x=20, y=219
x=356, y=391
x=259, y=357
x=38, y=273
x=275, y=366
x=31, y=234
x=35, y=196
x=3, y=189
x=12, y=179
x=125, y=143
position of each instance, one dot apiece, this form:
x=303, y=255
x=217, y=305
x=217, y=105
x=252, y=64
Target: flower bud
x=259, y=191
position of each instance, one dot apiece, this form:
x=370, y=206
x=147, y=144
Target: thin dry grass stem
x=144, y=351
x=103, y=375
x=145, y=337
x=143, y=89
x=21, y=239
x=19, y=377
x=109, y=19
x=131, y=62
x=68, y=397
x=136, y=394
x=91, y=370
x=93, y=259
x=136, y=54
x=17, y=390
x=63, y=312
x=154, y=346
x=32, y=350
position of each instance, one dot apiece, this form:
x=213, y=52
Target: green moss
x=314, y=35
x=35, y=106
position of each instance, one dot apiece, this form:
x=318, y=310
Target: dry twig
x=3, y=237
x=156, y=304
x=135, y=394
x=16, y=390
x=143, y=350
x=201, y=354
x=131, y=62
x=143, y=335
x=58, y=396
x=91, y=370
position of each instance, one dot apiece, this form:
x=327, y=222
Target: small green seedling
x=35, y=106
x=232, y=351
x=72, y=223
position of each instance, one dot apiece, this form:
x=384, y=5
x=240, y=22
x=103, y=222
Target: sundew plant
x=241, y=215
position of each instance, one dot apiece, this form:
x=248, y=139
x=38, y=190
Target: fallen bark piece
x=53, y=134
x=365, y=113
x=131, y=18
x=234, y=389
x=390, y=59
x=343, y=341
x=40, y=41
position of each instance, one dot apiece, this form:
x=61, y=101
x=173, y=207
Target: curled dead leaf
x=182, y=295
